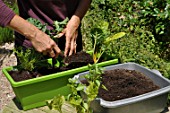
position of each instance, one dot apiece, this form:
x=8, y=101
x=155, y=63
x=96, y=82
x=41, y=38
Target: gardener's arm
x=41, y=41
x=72, y=26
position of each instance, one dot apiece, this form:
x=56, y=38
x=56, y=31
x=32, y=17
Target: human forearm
x=79, y=13
x=23, y=27
x=40, y=41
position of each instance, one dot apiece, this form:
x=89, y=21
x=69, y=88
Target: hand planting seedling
x=82, y=94
x=58, y=27
x=29, y=59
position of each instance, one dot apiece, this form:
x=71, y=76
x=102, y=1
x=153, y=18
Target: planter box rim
x=50, y=76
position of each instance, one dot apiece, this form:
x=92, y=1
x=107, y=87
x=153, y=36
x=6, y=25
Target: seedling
x=29, y=59
x=102, y=40
x=83, y=94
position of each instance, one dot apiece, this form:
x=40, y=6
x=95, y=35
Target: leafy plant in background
x=58, y=26
x=101, y=41
x=38, y=24
x=158, y=12
x=146, y=24
x=6, y=35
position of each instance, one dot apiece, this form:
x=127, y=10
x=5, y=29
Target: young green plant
x=102, y=40
x=27, y=59
x=82, y=94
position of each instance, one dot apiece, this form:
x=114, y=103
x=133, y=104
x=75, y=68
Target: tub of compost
x=151, y=102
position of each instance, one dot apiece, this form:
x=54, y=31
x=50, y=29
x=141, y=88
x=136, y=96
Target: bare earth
x=6, y=59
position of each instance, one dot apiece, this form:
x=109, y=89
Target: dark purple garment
x=46, y=11
x=6, y=14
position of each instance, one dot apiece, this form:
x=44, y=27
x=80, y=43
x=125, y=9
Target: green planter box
x=33, y=93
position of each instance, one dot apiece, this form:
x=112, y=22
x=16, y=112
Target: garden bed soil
x=123, y=83
x=74, y=61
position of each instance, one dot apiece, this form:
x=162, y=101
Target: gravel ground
x=7, y=58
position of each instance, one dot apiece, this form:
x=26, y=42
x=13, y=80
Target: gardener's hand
x=40, y=41
x=71, y=33
x=44, y=44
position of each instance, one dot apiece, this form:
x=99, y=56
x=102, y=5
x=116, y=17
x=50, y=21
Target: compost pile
x=123, y=83
x=74, y=61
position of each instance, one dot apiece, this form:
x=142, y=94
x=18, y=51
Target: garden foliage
x=146, y=24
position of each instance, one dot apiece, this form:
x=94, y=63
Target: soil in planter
x=74, y=61
x=122, y=83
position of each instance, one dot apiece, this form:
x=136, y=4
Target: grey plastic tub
x=152, y=102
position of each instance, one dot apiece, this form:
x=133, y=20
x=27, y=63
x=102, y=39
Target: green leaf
x=114, y=37
x=91, y=91
x=156, y=10
x=59, y=26
x=104, y=87
x=85, y=105
x=75, y=100
x=97, y=82
x=80, y=87
x=56, y=103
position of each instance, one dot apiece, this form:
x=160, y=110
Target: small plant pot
x=151, y=102
x=34, y=92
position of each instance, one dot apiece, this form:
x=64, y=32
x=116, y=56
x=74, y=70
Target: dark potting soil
x=74, y=61
x=77, y=60
x=23, y=75
x=122, y=83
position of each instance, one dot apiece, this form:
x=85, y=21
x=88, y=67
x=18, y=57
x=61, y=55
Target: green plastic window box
x=34, y=92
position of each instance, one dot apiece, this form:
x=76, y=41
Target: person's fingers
x=57, y=51
x=60, y=34
x=73, y=45
x=67, y=45
x=51, y=53
x=49, y=49
x=73, y=48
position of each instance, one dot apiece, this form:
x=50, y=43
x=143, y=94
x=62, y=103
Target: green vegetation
x=102, y=41
x=6, y=35
x=81, y=94
x=146, y=24
x=29, y=59
x=58, y=26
